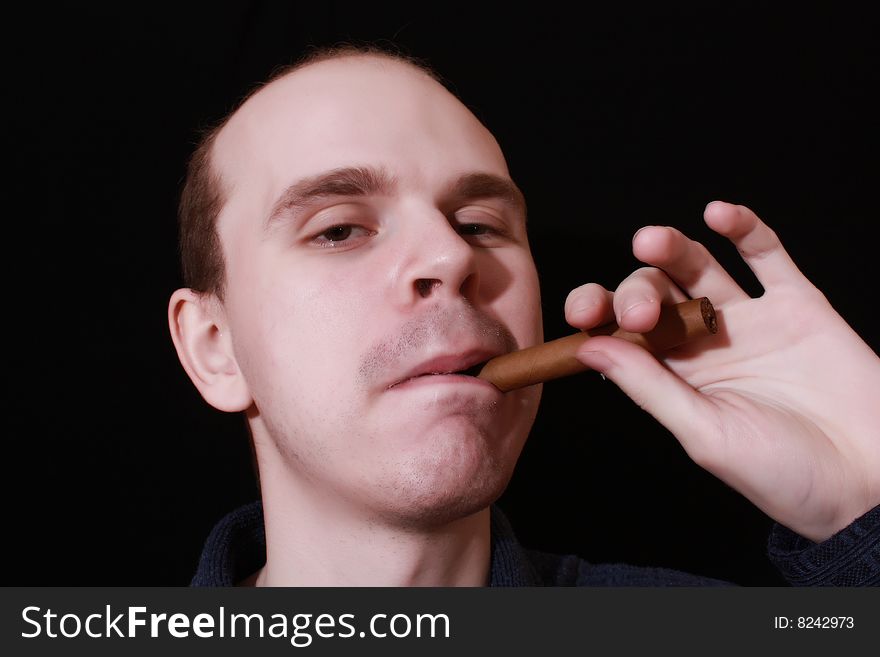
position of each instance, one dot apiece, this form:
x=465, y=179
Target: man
x=353, y=243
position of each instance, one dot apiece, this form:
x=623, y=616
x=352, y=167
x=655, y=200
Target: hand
x=783, y=404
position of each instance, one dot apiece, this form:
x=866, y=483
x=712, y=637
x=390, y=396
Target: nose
x=436, y=262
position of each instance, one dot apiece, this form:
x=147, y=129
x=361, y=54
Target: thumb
x=656, y=389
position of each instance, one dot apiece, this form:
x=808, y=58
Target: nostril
x=425, y=285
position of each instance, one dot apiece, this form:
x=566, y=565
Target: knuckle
x=700, y=254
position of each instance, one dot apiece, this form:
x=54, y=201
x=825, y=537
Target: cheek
x=295, y=332
x=518, y=305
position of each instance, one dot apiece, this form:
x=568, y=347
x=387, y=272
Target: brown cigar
x=678, y=324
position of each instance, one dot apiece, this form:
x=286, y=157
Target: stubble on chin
x=431, y=490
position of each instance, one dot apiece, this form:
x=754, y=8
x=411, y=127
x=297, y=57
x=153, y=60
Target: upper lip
x=447, y=363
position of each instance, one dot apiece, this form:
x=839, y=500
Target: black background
x=610, y=120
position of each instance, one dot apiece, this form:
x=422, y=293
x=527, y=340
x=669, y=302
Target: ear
x=204, y=348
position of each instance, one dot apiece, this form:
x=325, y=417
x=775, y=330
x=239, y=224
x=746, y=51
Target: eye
x=341, y=235
x=473, y=230
x=337, y=233
x=482, y=232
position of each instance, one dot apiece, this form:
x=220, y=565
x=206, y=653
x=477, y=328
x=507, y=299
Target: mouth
x=474, y=369
x=466, y=366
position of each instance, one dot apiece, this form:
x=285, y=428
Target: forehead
x=349, y=112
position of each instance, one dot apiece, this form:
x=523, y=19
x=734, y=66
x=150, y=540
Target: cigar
x=678, y=324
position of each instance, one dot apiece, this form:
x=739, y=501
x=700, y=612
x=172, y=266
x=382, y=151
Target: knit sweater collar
x=236, y=547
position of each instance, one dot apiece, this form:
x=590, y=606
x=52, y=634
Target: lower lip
x=444, y=379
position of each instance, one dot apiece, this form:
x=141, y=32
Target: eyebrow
x=473, y=186
x=347, y=181
x=367, y=181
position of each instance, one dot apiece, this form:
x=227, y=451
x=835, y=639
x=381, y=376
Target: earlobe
x=205, y=350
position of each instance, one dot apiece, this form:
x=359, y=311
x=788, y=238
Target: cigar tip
x=709, y=317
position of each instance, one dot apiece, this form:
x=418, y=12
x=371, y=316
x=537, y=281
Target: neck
x=320, y=540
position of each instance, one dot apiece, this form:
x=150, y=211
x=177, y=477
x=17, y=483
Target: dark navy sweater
x=236, y=548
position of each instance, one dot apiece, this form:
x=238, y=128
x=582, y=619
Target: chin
x=441, y=510
x=451, y=477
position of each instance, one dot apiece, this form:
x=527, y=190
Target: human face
x=415, y=263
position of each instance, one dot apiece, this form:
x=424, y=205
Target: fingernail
x=583, y=308
x=639, y=231
x=632, y=307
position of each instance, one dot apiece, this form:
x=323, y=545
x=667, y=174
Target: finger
x=667, y=397
x=687, y=262
x=638, y=298
x=589, y=306
x=756, y=242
